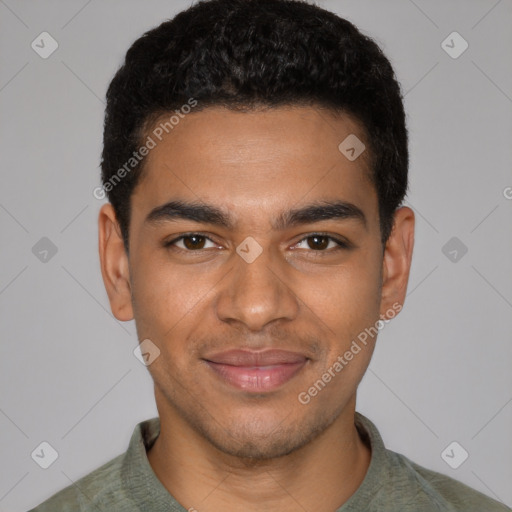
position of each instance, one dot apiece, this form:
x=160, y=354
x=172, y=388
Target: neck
x=319, y=476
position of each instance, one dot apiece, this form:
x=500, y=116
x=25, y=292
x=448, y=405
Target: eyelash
x=341, y=243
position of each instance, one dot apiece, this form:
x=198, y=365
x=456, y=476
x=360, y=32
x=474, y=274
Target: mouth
x=256, y=371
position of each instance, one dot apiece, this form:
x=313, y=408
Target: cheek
x=345, y=298
x=168, y=303
x=348, y=302
x=351, y=310
x=165, y=295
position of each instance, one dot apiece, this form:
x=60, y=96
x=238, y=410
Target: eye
x=191, y=242
x=321, y=243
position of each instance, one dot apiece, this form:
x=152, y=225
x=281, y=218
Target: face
x=255, y=261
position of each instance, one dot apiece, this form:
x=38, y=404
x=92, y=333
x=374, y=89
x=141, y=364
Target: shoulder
x=394, y=482
x=438, y=491
x=116, y=483
x=96, y=490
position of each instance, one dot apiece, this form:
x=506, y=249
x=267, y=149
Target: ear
x=396, y=263
x=114, y=264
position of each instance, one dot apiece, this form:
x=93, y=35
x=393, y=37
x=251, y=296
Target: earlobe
x=114, y=264
x=397, y=260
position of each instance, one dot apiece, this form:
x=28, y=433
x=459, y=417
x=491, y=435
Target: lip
x=256, y=371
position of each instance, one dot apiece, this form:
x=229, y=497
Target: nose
x=257, y=293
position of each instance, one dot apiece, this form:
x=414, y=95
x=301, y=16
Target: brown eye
x=194, y=242
x=320, y=242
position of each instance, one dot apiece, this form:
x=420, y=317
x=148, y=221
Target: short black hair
x=249, y=54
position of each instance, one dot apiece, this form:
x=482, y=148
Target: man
x=255, y=159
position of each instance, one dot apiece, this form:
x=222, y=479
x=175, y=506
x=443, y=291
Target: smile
x=256, y=371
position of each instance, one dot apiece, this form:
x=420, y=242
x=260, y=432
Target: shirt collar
x=149, y=494
x=138, y=478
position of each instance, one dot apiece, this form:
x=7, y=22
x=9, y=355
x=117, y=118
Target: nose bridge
x=256, y=293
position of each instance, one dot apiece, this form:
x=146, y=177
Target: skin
x=221, y=448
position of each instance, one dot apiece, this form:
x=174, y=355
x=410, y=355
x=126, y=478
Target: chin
x=263, y=449
x=259, y=439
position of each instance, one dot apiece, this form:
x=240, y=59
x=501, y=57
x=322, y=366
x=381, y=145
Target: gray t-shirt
x=393, y=483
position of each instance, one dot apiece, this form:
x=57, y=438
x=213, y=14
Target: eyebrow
x=209, y=214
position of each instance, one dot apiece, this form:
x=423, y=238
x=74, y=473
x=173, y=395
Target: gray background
x=441, y=371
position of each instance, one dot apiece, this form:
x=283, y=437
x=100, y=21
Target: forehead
x=256, y=160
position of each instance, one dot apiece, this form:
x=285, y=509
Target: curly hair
x=248, y=54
